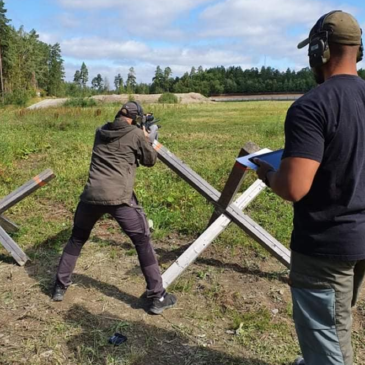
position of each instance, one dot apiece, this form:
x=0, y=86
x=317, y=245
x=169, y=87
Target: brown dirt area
x=105, y=298
x=225, y=284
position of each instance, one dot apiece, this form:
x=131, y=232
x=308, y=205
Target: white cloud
x=99, y=48
x=132, y=52
x=123, y=55
x=237, y=18
x=90, y=4
x=48, y=38
x=139, y=11
x=266, y=27
x=145, y=33
x=69, y=20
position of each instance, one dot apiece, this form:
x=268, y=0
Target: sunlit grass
x=208, y=137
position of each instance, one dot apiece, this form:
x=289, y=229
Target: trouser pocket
x=314, y=314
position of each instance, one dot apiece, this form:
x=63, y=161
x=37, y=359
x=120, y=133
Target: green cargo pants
x=323, y=293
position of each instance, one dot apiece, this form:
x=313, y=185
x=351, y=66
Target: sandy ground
x=188, y=98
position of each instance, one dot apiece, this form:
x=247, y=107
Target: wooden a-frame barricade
x=7, y=226
x=225, y=211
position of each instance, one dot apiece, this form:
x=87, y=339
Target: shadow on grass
x=44, y=263
x=45, y=258
x=146, y=344
x=7, y=259
x=112, y=291
x=166, y=256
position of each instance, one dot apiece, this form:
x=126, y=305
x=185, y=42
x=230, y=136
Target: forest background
x=30, y=67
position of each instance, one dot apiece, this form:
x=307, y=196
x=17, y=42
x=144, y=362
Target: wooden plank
x=210, y=234
x=25, y=190
x=234, y=182
x=19, y=256
x=243, y=221
x=8, y=225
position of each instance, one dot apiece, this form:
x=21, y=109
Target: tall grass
x=208, y=137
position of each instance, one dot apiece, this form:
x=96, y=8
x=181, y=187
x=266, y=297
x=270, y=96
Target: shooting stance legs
x=133, y=222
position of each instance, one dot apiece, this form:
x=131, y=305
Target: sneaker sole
x=57, y=299
x=160, y=310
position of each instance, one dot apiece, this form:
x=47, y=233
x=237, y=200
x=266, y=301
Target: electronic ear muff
x=319, y=50
x=360, y=54
x=139, y=116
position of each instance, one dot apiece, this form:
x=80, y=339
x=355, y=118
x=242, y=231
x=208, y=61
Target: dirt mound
x=151, y=98
x=188, y=98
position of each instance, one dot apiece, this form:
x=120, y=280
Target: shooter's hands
x=146, y=134
x=263, y=169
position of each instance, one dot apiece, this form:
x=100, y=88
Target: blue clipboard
x=273, y=158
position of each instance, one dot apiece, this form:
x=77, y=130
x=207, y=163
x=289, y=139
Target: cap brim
x=304, y=43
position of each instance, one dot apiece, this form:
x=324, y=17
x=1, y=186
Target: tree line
x=29, y=66
x=212, y=81
x=26, y=63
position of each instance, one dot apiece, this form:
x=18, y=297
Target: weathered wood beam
x=16, y=196
x=8, y=225
x=234, y=182
x=208, y=236
x=25, y=190
x=11, y=246
x=242, y=220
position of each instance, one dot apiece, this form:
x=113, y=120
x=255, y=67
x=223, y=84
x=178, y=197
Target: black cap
x=132, y=109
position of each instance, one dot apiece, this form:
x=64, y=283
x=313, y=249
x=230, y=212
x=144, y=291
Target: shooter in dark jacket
x=119, y=148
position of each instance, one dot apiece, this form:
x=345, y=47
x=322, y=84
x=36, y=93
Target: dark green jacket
x=118, y=149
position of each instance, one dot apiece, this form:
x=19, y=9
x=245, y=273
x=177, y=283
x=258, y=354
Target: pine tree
x=4, y=43
x=158, y=80
x=77, y=77
x=119, y=84
x=97, y=83
x=84, y=75
x=131, y=81
x=166, y=79
x=56, y=70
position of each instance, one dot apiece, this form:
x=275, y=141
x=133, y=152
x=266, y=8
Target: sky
x=111, y=36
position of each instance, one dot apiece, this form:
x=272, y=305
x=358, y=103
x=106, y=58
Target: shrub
x=168, y=98
x=18, y=97
x=80, y=102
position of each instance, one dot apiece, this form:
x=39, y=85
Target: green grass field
x=234, y=304
x=207, y=137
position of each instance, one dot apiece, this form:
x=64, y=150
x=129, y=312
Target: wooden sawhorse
x=7, y=225
x=225, y=211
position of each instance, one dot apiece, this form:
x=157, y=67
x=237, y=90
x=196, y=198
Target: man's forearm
x=280, y=185
x=294, y=178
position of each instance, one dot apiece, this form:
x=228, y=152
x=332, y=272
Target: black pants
x=133, y=222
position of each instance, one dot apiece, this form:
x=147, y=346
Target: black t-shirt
x=328, y=125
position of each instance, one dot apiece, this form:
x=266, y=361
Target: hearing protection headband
x=319, y=51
